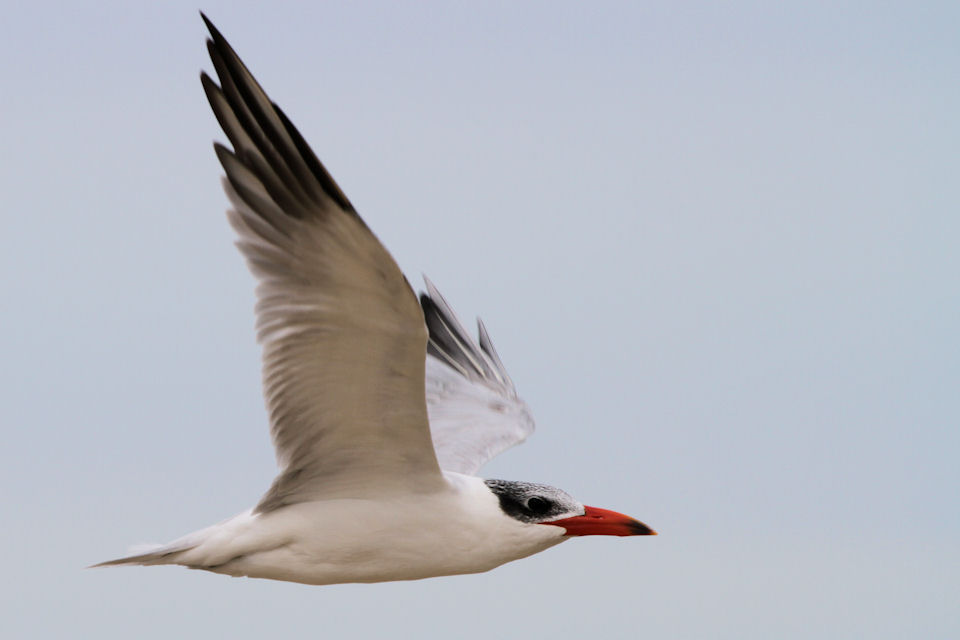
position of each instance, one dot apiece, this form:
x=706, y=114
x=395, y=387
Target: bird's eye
x=538, y=505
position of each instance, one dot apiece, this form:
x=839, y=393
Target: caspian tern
x=381, y=409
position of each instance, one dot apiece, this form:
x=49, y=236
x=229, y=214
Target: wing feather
x=344, y=340
x=475, y=412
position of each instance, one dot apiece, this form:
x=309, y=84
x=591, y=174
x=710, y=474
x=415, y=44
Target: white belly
x=349, y=540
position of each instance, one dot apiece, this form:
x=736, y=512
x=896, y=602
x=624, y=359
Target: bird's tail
x=152, y=555
x=201, y=549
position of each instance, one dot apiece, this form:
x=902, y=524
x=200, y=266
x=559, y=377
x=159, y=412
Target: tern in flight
x=382, y=407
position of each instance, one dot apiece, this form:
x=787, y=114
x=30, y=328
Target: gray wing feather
x=475, y=412
x=343, y=337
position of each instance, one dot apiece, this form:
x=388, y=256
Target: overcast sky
x=716, y=246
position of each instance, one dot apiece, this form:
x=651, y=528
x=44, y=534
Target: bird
x=382, y=407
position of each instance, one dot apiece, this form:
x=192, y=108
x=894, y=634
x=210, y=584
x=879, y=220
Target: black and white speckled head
x=534, y=503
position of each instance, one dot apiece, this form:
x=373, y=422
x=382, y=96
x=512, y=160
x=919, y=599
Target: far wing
x=475, y=413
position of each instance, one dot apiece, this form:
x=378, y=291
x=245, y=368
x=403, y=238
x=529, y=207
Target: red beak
x=601, y=522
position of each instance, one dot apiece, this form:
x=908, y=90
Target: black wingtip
x=210, y=88
x=224, y=154
x=216, y=39
x=215, y=56
x=210, y=27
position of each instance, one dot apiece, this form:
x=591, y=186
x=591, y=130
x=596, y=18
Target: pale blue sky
x=717, y=248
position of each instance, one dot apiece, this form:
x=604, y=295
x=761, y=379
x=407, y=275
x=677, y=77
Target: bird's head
x=542, y=504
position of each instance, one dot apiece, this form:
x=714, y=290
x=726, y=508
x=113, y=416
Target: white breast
x=406, y=537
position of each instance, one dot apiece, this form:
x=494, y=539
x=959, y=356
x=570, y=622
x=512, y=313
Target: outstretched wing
x=343, y=337
x=475, y=413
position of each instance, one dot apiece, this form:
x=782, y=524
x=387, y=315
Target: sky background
x=715, y=244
